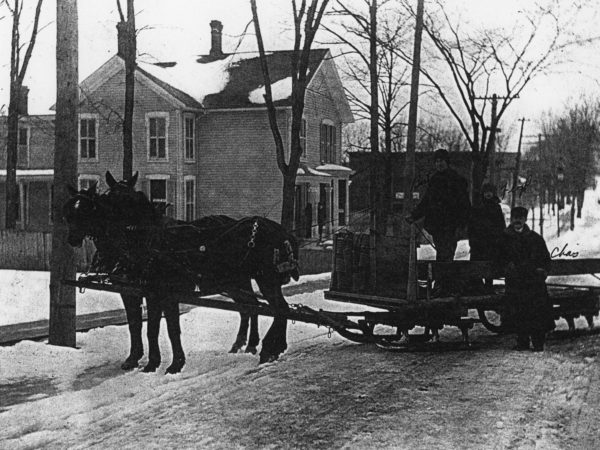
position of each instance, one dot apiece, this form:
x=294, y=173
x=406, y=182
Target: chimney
x=216, y=34
x=23, y=101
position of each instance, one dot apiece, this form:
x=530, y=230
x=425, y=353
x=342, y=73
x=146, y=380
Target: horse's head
x=130, y=206
x=82, y=213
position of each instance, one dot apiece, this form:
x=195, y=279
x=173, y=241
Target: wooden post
x=62, y=265
x=375, y=194
x=409, y=167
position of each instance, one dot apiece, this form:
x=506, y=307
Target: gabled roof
x=116, y=64
x=232, y=81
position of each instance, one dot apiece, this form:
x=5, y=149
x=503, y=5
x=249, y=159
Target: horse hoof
x=235, y=348
x=129, y=364
x=176, y=366
x=250, y=349
x=267, y=358
x=151, y=367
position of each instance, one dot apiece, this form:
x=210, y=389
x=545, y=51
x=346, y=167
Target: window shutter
x=333, y=145
x=323, y=135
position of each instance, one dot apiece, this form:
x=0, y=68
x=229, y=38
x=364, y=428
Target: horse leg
x=133, y=309
x=245, y=296
x=240, y=339
x=254, y=336
x=171, y=309
x=154, y=316
x=275, y=341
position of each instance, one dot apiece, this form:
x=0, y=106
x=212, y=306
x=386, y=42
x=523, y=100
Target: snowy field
x=52, y=397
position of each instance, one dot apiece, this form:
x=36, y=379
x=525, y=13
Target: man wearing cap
x=445, y=207
x=526, y=261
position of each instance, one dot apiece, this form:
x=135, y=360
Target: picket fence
x=26, y=250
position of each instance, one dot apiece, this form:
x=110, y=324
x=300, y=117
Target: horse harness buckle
x=251, y=243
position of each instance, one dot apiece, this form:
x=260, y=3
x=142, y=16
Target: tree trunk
x=62, y=262
x=478, y=171
x=12, y=192
x=287, y=208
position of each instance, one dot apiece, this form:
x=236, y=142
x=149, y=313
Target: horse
x=133, y=207
x=89, y=214
x=222, y=260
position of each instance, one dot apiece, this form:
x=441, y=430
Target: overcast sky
x=181, y=28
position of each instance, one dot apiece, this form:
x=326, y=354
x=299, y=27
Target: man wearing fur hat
x=445, y=207
x=526, y=261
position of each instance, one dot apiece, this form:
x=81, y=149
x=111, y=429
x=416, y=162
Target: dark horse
x=216, y=254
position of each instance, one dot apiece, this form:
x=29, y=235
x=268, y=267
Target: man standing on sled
x=445, y=207
x=526, y=261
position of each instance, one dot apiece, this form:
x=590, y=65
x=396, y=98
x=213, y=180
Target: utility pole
x=541, y=188
x=493, y=129
x=517, y=165
x=409, y=167
x=62, y=262
x=375, y=194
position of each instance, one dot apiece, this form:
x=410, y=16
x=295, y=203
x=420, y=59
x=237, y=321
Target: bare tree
x=128, y=46
x=392, y=73
x=570, y=147
x=19, y=62
x=434, y=133
x=307, y=19
x=489, y=68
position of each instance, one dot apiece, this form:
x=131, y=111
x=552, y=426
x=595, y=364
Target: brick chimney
x=216, y=34
x=23, y=101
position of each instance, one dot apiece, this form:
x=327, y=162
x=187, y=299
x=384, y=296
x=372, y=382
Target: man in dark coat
x=526, y=261
x=445, y=207
x=486, y=225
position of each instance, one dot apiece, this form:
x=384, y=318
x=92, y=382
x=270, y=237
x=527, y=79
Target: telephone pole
x=541, y=188
x=409, y=166
x=493, y=129
x=62, y=262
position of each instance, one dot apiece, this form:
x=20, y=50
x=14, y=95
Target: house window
x=303, y=137
x=328, y=143
x=88, y=137
x=23, y=136
x=86, y=181
x=157, y=136
x=158, y=192
x=189, y=138
x=190, y=199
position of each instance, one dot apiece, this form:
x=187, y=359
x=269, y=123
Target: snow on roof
x=195, y=79
x=280, y=90
x=306, y=170
x=334, y=167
